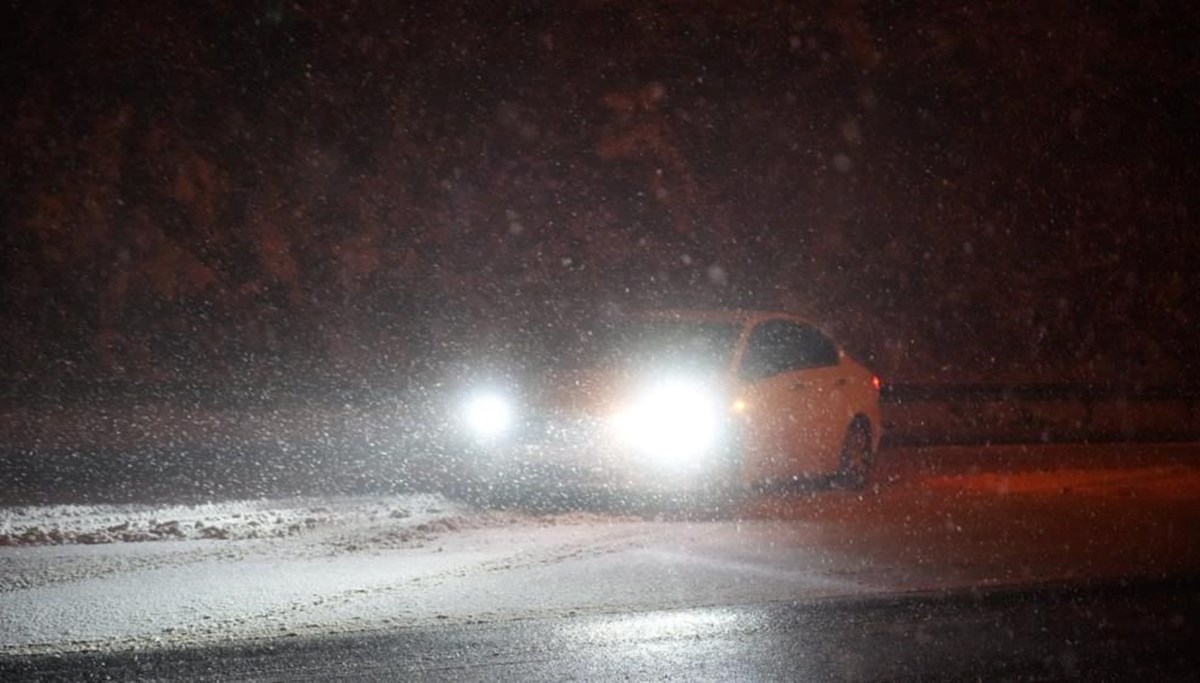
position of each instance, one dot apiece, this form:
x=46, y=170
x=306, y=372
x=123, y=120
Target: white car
x=680, y=400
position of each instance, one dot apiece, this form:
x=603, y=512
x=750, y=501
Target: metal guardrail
x=318, y=392
x=198, y=394
x=903, y=393
x=913, y=413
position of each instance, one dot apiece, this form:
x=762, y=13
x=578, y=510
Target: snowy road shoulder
x=73, y=580
x=228, y=520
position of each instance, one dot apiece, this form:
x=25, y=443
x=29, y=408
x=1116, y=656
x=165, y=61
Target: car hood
x=601, y=392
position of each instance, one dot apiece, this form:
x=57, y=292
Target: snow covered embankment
x=228, y=520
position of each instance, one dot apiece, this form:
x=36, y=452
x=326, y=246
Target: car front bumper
x=580, y=452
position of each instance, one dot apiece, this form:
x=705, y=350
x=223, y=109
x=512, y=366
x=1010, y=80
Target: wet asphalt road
x=980, y=566
x=1103, y=631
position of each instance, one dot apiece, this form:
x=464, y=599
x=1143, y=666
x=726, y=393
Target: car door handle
x=797, y=386
x=840, y=383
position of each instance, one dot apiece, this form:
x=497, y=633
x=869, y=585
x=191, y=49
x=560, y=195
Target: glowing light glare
x=659, y=625
x=489, y=414
x=672, y=421
x=739, y=406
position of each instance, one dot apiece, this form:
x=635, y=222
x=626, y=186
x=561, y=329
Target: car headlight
x=673, y=421
x=489, y=414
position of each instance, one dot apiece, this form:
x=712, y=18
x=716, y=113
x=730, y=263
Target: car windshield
x=599, y=339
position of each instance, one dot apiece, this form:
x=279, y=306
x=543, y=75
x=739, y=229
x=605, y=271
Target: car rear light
x=875, y=382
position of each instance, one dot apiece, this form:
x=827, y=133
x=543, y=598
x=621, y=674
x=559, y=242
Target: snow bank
x=280, y=567
x=228, y=520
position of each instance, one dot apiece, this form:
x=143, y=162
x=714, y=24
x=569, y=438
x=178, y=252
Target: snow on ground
x=239, y=569
x=186, y=593
x=239, y=519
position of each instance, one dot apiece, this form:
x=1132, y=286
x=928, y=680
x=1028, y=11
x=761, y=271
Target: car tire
x=854, y=468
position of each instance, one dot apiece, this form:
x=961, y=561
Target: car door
x=792, y=387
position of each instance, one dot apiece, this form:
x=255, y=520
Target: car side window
x=778, y=346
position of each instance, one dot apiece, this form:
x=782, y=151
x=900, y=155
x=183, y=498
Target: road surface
x=1093, y=632
x=943, y=526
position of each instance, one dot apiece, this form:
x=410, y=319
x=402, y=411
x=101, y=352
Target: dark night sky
x=264, y=188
